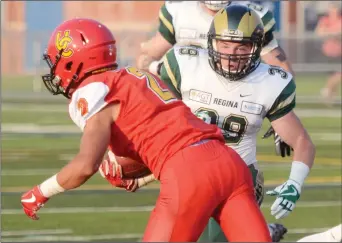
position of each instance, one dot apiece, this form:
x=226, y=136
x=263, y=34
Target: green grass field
x=97, y=212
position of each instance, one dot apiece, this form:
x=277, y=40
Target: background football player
x=235, y=91
x=187, y=22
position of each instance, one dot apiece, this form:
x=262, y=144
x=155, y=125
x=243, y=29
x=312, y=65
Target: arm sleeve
x=270, y=42
x=170, y=73
x=285, y=102
x=166, y=28
x=87, y=101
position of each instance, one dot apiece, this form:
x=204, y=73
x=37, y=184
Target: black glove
x=282, y=148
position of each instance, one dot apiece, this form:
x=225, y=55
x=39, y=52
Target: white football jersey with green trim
x=191, y=23
x=237, y=107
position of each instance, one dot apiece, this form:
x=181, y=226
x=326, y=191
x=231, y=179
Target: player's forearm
x=73, y=175
x=303, y=158
x=304, y=150
x=294, y=134
x=156, y=47
x=277, y=57
x=152, y=51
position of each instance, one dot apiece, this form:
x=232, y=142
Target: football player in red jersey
x=134, y=115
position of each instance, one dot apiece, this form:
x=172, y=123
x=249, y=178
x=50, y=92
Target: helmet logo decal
x=82, y=106
x=63, y=42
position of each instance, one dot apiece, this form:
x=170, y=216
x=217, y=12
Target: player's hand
x=287, y=196
x=131, y=185
x=112, y=172
x=282, y=148
x=32, y=201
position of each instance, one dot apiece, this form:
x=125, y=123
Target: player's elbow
x=309, y=146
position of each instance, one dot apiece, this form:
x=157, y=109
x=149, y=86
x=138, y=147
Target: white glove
x=287, y=196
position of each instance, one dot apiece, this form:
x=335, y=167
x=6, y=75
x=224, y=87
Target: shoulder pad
x=87, y=101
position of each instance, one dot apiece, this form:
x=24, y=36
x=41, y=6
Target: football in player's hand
x=130, y=168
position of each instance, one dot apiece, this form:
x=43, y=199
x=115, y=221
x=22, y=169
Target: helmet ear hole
x=68, y=66
x=84, y=41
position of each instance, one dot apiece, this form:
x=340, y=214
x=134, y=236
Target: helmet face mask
x=52, y=81
x=234, y=66
x=244, y=29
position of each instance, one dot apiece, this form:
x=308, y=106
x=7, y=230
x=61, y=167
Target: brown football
x=130, y=167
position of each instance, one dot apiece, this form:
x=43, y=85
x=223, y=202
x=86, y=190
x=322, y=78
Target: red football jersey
x=152, y=124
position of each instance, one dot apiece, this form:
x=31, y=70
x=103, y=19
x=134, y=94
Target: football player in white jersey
x=235, y=91
x=188, y=22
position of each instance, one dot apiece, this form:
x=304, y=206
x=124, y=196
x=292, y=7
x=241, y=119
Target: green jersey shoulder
x=179, y=62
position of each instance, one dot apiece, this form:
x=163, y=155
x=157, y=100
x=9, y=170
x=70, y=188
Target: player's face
x=234, y=63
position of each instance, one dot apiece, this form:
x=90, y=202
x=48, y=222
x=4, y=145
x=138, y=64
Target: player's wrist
x=145, y=180
x=50, y=187
x=38, y=194
x=299, y=171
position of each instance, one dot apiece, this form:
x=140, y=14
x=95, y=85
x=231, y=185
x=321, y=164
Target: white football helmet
x=215, y=5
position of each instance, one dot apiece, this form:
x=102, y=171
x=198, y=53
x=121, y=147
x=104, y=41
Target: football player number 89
x=164, y=94
x=233, y=126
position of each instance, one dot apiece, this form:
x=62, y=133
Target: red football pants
x=201, y=181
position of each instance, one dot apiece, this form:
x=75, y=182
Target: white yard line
x=306, y=230
x=73, y=238
x=264, y=167
x=40, y=237
x=301, y=112
x=28, y=172
x=77, y=210
x=38, y=129
x=35, y=108
x=316, y=99
x=36, y=232
x=29, y=128
x=328, y=113
x=326, y=136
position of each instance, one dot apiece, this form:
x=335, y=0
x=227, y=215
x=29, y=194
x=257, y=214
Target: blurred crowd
x=329, y=26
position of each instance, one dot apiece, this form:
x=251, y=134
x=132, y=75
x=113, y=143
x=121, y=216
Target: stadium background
x=38, y=137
